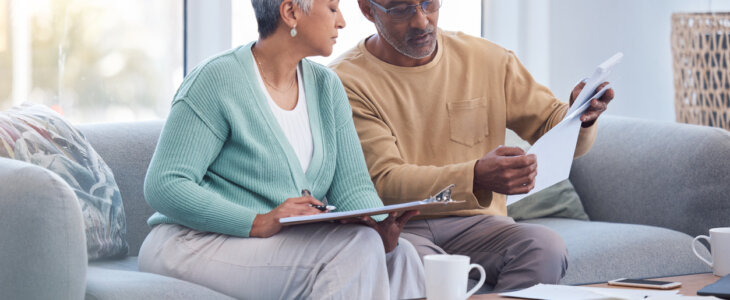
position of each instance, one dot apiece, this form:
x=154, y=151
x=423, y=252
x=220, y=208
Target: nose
x=340, y=21
x=419, y=19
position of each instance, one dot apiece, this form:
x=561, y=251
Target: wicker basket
x=701, y=52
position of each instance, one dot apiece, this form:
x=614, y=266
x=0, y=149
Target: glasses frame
x=411, y=7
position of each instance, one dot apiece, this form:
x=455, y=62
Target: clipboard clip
x=444, y=196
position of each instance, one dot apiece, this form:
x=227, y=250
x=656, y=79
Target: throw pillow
x=557, y=201
x=38, y=135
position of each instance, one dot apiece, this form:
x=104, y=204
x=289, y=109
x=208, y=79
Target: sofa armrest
x=656, y=173
x=43, y=244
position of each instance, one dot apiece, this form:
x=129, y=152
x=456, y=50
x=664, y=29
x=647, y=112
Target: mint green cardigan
x=222, y=157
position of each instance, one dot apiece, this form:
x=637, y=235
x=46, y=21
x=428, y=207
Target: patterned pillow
x=38, y=135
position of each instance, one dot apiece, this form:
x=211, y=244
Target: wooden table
x=690, y=285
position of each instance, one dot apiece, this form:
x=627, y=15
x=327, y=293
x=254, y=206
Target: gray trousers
x=514, y=255
x=315, y=261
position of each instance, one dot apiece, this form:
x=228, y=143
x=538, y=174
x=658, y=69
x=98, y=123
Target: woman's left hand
x=389, y=229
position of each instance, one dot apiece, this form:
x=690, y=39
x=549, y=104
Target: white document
x=567, y=292
x=599, y=76
x=555, y=149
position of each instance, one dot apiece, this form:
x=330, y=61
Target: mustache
x=416, y=32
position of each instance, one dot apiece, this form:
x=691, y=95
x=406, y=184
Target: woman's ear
x=366, y=10
x=289, y=13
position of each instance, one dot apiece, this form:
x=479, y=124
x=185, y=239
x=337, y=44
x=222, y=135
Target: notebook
x=720, y=288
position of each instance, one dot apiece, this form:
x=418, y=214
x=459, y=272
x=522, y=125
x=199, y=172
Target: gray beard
x=400, y=46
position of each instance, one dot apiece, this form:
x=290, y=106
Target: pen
x=305, y=192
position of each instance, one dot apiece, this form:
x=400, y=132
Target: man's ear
x=366, y=10
x=289, y=13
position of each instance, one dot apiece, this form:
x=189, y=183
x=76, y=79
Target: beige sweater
x=423, y=128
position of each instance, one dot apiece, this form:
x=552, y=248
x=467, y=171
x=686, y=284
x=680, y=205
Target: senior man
x=431, y=108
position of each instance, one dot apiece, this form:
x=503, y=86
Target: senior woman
x=248, y=130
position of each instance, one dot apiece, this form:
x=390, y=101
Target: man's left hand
x=596, y=107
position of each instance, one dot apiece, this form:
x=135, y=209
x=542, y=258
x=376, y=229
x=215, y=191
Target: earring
x=293, y=31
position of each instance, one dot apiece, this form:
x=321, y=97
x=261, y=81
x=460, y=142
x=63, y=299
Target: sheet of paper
x=599, y=76
x=579, y=111
x=567, y=292
x=555, y=149
x=554, y=152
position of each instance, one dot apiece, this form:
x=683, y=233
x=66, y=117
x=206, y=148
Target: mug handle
x=482, y=277
x=694, y=248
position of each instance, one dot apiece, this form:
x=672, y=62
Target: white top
x=295, y=122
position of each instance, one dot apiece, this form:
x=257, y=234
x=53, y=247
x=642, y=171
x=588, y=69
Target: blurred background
x=92, y=60
x=110, y=61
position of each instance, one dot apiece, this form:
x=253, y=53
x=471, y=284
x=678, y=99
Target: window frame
x=207, y=29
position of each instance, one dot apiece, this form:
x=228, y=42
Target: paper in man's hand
x=556, y=148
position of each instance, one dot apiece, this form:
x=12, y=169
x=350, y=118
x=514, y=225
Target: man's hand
x=266, y=225
x=506, y=170
x=596, y=107
x=389, y=229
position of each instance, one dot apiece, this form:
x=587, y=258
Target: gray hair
x=267, y=14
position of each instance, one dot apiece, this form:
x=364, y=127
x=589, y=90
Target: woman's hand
x=266, y=225
x=389, y=229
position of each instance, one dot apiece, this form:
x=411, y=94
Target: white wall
x=576, y=35
x=521, y=26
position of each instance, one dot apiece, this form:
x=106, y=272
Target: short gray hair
x=267, y=14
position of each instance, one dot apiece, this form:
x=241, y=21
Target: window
x=461, y=15
x=92, y=60
x=107, y=61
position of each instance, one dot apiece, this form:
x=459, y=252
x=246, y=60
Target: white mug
x=719, y=240
x=448, y=275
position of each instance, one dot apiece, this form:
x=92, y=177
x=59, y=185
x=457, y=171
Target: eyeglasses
x=404, y=12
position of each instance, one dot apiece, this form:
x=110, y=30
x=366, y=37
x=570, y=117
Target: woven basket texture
x=701, y=54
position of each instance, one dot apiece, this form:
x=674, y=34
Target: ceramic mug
x=447, y=276
x=719, y=240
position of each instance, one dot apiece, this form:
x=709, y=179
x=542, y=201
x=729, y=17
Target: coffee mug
x=719, y=240
x=447, y=276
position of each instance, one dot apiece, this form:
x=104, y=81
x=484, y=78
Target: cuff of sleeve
x=231, y=219
x=379, y=218
x=586, y=137
x=464, y=189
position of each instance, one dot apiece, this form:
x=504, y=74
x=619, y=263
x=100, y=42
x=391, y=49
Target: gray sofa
x=647, y=186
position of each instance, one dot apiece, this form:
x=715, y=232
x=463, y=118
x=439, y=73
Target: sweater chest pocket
x=468, y=121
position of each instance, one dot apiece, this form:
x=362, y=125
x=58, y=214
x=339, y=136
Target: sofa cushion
x=662, y=174
x=109, y=280
x=38, y=135
x=557, y=201
x=600, y=251
x=128, y=263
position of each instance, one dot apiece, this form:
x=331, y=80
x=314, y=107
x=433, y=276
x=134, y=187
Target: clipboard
x=443, y=198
